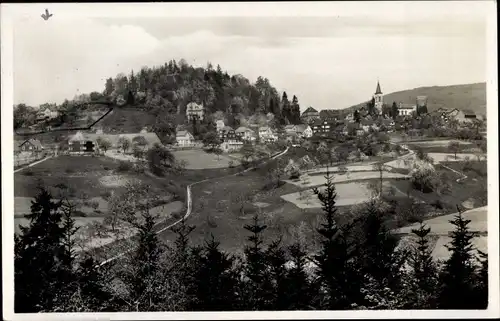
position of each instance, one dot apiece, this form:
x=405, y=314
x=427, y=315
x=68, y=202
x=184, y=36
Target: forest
x=358, y=266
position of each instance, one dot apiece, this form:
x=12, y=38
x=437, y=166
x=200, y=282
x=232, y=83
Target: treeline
x=173, y=85
x=358, y=266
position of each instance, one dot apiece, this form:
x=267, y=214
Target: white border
x=439, y=8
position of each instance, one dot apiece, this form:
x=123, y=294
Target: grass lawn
x=472, y=190
x=199, y=159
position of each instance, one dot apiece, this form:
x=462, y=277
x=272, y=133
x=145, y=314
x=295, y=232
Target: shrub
x=69, y=170
x=124, y=167
x=106, y=168
x=28, y=172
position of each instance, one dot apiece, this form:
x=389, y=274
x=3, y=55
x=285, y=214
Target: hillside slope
x=468, y=96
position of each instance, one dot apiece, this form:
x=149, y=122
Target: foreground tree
x=215, y=280
x=423, y=274
x=459, y=273
x=338, y=270
x=258, y=289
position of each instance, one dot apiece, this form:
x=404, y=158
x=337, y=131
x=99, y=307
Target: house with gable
x=30, y=145
x=304, y=131
x=309, y=115
x=219, y=125
x=266, y=134
x=245, y=134
x=195, y=111
x=184, y=138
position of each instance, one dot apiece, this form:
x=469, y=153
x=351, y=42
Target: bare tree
x=454, y=147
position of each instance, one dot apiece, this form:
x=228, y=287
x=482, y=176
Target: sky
x=328, y=59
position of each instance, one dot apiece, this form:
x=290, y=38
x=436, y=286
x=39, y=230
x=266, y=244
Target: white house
x=231, y=145
x=219, y=125
x=290, y=129
x=266, y=134
x=46, y=114
x=245, y=133
x=184, y=138
x=406, y=109
x=194, y=110
x=304, y=130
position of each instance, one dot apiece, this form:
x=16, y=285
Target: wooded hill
x=462, y=97
x=163, y=92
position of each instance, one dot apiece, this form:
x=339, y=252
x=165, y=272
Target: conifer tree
x=258, y=290
x=299, y=290
x=184, y=261
x=338, y=269
x=143, y=276
x=458, y=276
x=215, y=280
x=482, y=281
x=275, y=257
x=377, y=249
x=423, y=273
x=38, y=254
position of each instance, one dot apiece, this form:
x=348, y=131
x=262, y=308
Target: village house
x=266, y=134
x=219, y=125
x=465, y=116
x=46, y=114
x=245, y=133
x=290, y=129
x=30, y=145
x=227, y=132
x=83, y=143
x=195, y=111
x=184, y=139
x=322, y=127
x=304, y=131
x=309, y=115
x=406, y=109
x=366, y=124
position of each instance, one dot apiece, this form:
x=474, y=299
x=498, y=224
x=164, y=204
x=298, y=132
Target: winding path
x=32, y=164
x=190, y=204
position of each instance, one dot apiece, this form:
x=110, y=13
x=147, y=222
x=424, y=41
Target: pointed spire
x=378, y=91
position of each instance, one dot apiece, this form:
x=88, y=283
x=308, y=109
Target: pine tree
x=143, y=275
x=215, y=280
x=458, y=276
x=377, y=249
x=285, y=107
x=423, y=272
x=482, y=282
x=93, y=293
x=275, y=257
x=184, y=262
x=258, y=290
x=338, y=269
x=299, y=290
x=394, y=110
x=295, y=111
x=38, y=254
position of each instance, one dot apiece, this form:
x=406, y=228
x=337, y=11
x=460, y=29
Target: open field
x=437, y=158
x=199, y=159
x=441, y=227
x=438, y=143
x=347, y=194
x=318, y=180
x=470, y=192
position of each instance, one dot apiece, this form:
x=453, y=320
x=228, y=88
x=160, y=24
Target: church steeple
x=378, y=98
x=378, y=91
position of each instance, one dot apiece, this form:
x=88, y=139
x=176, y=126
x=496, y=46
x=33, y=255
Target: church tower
x=379, y=98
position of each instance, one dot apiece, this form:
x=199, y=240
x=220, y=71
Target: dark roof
x=317, y=122
x=378, y=91
x=310, y=110
x=32, y=141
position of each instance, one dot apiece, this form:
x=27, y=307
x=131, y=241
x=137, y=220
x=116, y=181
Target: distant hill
x=461, y=97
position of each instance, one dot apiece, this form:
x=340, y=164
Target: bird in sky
x=47, y=15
